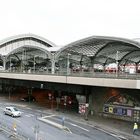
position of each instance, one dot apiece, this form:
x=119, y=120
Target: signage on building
x=130, y=113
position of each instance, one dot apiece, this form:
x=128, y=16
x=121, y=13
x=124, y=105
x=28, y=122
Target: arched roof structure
x=10, y=44
x=103, y=50
x=25, y=50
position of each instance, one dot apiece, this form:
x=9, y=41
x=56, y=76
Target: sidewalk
x=107, y=125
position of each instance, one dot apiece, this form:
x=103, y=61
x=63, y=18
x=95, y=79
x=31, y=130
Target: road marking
x=42, y=132
x=33, y=128
x=28, y=108
x=16, y=120
x=111, y=134
x=79, y=127
x=48, y=116
x=64, y=128
x=29, y=115
x=1, y=108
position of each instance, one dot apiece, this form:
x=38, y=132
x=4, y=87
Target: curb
x=119, y=137
x=59, y=126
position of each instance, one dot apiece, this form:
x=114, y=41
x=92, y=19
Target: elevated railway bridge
x=102, y=72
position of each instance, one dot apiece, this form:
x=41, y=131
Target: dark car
x=28, y=99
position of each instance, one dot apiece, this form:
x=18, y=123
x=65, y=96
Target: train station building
x=95, y=56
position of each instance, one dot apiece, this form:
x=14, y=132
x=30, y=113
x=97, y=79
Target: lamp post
x=36, y=131
x=117, y=58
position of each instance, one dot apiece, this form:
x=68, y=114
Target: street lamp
x=36, y=131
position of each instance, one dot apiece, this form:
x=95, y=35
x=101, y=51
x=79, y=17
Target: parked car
x=28, y=98
x=12, y=111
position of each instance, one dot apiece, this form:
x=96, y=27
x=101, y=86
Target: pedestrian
x=135, y=128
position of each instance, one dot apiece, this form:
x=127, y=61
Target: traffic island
x=57, y=125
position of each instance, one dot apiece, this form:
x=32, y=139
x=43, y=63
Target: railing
x=89, y=74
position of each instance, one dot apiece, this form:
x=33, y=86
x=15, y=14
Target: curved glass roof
x=92, y=50
x=103, y=50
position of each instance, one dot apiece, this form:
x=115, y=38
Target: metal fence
x=91, y=74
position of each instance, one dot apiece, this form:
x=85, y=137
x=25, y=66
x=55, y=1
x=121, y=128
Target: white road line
x=41, y=132
x=29, y=115
x=48, y=116
x=16, y=120
x=79, y=127
x=33, y=128
x=28, y=108
x=64, y=128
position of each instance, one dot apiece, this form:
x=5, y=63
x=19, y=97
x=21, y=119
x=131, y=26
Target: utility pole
x=36, y=131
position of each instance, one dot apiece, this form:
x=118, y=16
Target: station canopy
x=32, y=50
x=25, y=50
x=102, y=50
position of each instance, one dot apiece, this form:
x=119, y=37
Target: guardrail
x=90, y=74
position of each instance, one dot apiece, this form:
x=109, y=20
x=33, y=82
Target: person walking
x=135, y=128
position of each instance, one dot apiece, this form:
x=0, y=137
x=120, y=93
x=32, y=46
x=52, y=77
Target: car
x=12, y=111
x=28, y=99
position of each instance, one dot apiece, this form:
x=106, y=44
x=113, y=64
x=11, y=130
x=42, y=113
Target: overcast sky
x=65, y=21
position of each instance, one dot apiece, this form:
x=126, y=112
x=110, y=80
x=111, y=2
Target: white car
x=12, y=111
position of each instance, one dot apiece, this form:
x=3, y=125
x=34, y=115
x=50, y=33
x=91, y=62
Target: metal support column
x=53, y=63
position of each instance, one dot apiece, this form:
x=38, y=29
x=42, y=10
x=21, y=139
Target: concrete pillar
x=91, y=107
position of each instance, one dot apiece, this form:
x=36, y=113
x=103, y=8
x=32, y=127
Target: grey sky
x=65, y=21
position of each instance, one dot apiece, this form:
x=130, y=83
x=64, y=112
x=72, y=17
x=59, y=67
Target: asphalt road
x=29, y=126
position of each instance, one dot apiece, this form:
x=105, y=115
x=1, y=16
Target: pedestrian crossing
x=29, y=115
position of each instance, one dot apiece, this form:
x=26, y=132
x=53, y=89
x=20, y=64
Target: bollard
x=15, y=131
x=63, y=120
